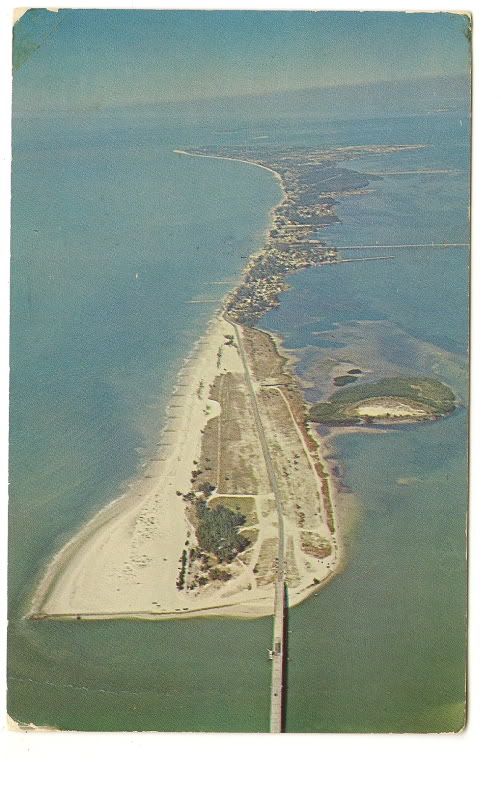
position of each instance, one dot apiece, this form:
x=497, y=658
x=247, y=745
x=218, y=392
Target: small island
x=389, y=400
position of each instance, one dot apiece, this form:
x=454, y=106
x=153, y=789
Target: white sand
x=125, y=561
x=389, y=407
x=126, y=558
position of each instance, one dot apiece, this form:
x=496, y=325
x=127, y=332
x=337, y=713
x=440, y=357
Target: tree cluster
x=218, y=531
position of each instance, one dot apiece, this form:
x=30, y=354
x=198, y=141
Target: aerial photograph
x=239, y=371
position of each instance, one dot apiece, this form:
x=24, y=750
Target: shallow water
x=383, y=647
x=94, y=351
x=110, y=242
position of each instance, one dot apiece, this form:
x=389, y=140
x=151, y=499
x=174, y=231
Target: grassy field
x=431, y=395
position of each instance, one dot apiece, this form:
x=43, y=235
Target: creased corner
x=19, y=12
x=21, y=727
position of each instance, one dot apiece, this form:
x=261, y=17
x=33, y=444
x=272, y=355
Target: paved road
x=400, y=246
x=277, y=671
x=266, y=453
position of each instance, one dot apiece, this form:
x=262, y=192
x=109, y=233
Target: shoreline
x=45, y=573
x=242, y=161
x=57, y=587
x=134, y=485
x=60, y=576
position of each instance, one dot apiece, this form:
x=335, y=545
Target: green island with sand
x=398, y=399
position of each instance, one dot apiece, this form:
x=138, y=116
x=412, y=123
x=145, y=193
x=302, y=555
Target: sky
x=78, y=59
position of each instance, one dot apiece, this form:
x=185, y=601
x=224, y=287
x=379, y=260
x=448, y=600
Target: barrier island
x=240, y=462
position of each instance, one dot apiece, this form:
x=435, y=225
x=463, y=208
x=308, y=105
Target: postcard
x=239, y=371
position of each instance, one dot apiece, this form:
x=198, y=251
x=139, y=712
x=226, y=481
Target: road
x=278, y=655
x=400, y=246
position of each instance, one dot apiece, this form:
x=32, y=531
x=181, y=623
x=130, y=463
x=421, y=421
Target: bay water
x=113, y=235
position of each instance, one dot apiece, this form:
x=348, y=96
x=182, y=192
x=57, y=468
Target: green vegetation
x=252, y=534
x=343, y=380
x=216, y=574
x=206, y=488
x=427, y=394
x=218, y=531
x=239, y=505
x=182, y=571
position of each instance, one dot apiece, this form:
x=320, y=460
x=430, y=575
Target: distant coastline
x=271, y=216
x=153, y=552
x=233, y=158
x=84, y=581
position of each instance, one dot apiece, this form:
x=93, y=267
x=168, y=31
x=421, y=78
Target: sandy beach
x=140, y=557
x=125, y=562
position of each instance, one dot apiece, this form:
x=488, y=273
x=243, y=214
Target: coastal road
x=278, y=656
x=400, y=246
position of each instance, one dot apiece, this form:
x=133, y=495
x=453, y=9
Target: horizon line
x=264, y=94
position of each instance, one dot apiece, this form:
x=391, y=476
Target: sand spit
x=234, y=158
x=139, y=557
x=127, y=562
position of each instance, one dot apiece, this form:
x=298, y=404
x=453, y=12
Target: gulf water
x=113, y=234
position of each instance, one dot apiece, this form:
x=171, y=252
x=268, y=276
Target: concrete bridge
x=278, y=654
x=279, y=659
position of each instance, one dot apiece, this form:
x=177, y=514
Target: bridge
x=279, y=658
x=278, y=654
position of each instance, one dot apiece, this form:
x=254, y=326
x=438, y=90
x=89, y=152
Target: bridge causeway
x=279, y=652
x=279, y=659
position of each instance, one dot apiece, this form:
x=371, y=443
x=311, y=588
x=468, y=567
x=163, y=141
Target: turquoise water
x=387, y=650
x=383, y=647
x=94, y=351
x=112, y=236
x=99, y=199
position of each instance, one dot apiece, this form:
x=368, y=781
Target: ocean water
x=388, y=650
x=112, y=235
